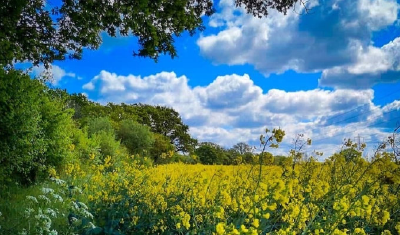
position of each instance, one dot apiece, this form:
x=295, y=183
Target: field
x=123, y=196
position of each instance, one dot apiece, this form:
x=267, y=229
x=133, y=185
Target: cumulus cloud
x=373, y=65
x=335, y=33
x=229, y=91
x=55, y=73
x=232, y=108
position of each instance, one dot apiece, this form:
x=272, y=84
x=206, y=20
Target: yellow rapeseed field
x=334, y=197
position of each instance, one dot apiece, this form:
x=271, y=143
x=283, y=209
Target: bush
x=34, y=129
x=137, y=138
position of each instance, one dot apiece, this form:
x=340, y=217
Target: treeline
x=43, y=128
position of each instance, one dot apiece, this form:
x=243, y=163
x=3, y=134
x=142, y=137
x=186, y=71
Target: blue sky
x=330, y=74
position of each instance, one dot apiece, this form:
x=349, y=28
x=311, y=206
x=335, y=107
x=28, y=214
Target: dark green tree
x=137, y=138
x=266, y=158
x=210, y=153
x=167, y=122
x=42, y=32
x=248, y=157
x=161, y=148
x=351, y=154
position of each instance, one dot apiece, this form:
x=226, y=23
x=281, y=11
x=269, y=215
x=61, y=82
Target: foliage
x=41, y=32
x=162, y=150
x=167, y=122
x=34, y=129
x=161, y=120
x=136, y=137
x=108, y=145
x=100, y=124
x=242, y=148
x=209, y=153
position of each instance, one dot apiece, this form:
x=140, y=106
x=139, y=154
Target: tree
x=167, y=122
x=210, y=153
x=34, y=128
x=351, y=154
x=137, y=138
x=266, y=158
x=161, y=149
x=41, y=32
x=101, y=130
x=100, y=124
x=242, y=148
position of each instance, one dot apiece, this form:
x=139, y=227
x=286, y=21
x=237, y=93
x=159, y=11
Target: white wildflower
x=75, y=205
x=44, y=219
x=81, y=204
x=32, y=198
x=44, y=198
x=87, y=214
x=53, y=232
x=50, y=212
x=47, y=190
x=58, y=197
x=28, y=212
x=92, y=225
x=23, y=232
x=58, y=181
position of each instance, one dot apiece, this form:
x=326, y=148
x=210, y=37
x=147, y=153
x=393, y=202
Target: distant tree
x=242, y=148
x=209, y=153
x=167, y=122
x=108, y=145
x=101, y=130
x=248, y=157
x=161, y=149
x=137, y=138
x=100, y=124
x=41, y=31
x=351, y=154
x=118, y=112
x=233, y=157
x=84, y=108
x=279, y=159
x=266, y=158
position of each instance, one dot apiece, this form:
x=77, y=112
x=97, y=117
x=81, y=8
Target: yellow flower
x=52, y=172
x=359, y=231
x=256, y=223
x=243, y=229
x=266, y=216
x=92, y=156
x=397, y=227
x=386, y=232
x=220, y=228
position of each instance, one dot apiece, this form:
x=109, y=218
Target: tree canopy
x=41, y=32
x=34, y=128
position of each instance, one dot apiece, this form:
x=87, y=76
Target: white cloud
x=55, y=73
x=232, y=108
x=335, y=33
x=230, y=91
x=373, y=65
x=379, y=13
